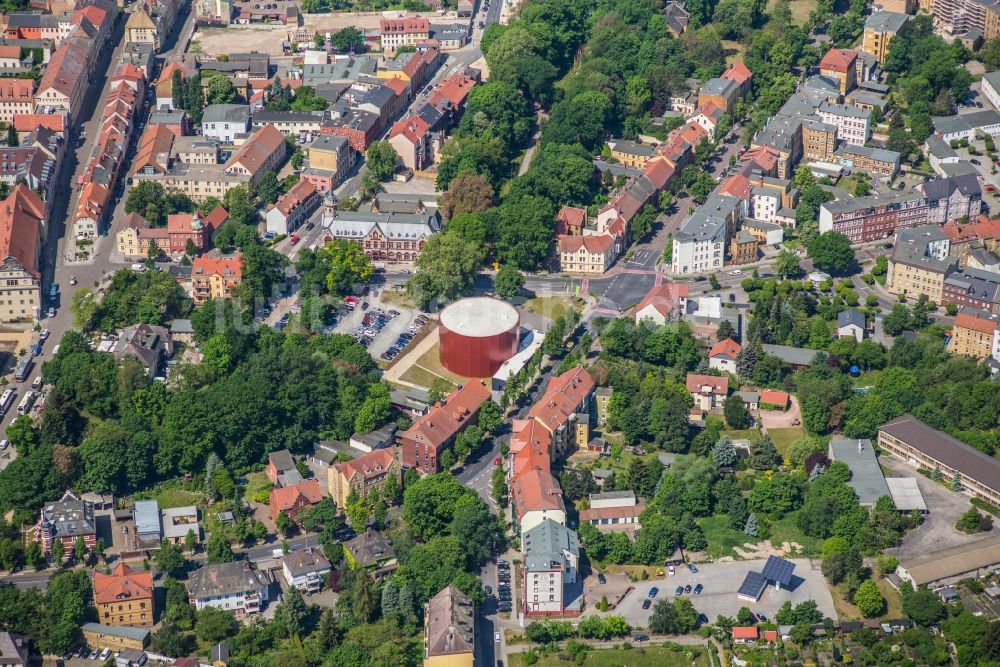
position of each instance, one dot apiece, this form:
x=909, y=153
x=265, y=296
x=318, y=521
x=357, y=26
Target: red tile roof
x=737, y=186
x=658, y=171
x=216, y=217
x=726, y=348
x=299, y=194
x=262, y=145
x=707, y=384
x=838, y=60
x=745, y=632
x=448, y=417
x=529, y=445
x=93, y=14
x=453, y=90
x=738, y=72
x=771, y=635
x=229, y=267
x=404, y=26
x=289, y=497
x=15, y=53
x=664, y=298
x=397, y=86
x=65, y=68
x=562, y=398
x=772, y=397
x=122, y=584
x=21, y=217
x=368, y=465
x=612, y=512
x=29, y=121
x=974, y=323
x=413, y=129
x=17, y=90
x=570, y=216
x=536, y=491
x=594, y=244
x=983, y=228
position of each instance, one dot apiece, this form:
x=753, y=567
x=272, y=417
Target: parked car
x=653, y=591
x=687, y=589
x=640, y=638
x=692, y=568
x=647, y=603
x=601, y=578
x=698, y=589
x=679, y=591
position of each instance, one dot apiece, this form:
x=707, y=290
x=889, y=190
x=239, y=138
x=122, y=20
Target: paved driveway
x=721, y=581
x=945, y=507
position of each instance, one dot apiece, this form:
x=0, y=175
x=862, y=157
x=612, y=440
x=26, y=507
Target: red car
x=295, y=239
x=496, y=461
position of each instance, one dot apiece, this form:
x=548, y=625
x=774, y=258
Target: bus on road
x=24, y=369
x=6, y=400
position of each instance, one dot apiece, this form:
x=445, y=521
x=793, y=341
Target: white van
x=139, y=267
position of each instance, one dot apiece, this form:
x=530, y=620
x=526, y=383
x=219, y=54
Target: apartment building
x=973, y=332
x=819, y=140
x=364, y=475
x=872, y=161
x=293, y=208
x=707, y=391
x=403, y=32
x=262, y=153
x=973, y=288
x=840, y=64
x=424, y=441
x=864, y=219
x=990, y=86
x=952, y=198
x=124, y=597
x=535, y=497
x=879, y=30
x=22, y=220
x=215, y=276
x=630, y=153
x=564, y=411
x=450, y=629
x=329, y=158
x=700, y=243
x=592, y=255
x=224, y=122
x=924, y=447
x=66, y=520
x=238, y=587
x=662, y=303
x=17, y=96
x=853, y=125
x=959, y=17
x=551, y=563
x=917, y=265
x=391, y=237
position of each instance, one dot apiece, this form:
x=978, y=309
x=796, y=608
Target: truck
x=24, y=369
x=53, y=292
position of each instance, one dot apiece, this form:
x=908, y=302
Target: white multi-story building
x=224, y=122
x=305, y=569
x=551, y=560
x=403, y=32
x=238, y=587
x=700, y=244
x=854, y=125
x=991, y=88
x=764, y=203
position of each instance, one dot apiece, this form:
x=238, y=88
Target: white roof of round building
x=479, y=317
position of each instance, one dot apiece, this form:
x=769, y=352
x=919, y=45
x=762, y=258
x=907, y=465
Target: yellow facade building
x=450, y=630
x=880, y=28
x=972, y=335
x=124, y=597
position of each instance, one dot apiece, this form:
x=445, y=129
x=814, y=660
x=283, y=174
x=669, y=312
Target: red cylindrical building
x=477, y=335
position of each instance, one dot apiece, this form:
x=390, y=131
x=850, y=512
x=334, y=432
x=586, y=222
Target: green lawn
x=783, y=437
x=721, y=538
x=787, y=530
x=745, y=434
x=649, y=656
x=255, y=482
x=170, y=494
x=552, y=306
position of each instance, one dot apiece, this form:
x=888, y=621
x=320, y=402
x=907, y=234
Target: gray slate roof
x=867, y=479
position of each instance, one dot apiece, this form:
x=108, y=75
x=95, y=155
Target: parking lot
x=720, y=582
x=938, y=529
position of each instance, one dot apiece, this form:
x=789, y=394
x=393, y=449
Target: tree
x=956, y=482
x=815, y=414
x=862, y=185
x=170, y=558
x=218, y=549
x=348, y=39
x=285, y=525
x=831, y=251
x=215, y=625
x=736, y=413
x=58, y=552
x=445, y=268
x=869, y=599
x=79, y=550
x=751, y=528
x=747, y=359
x=991, y=642
x=923, y=606
x=972, y=521
x=220, y=89
x=724, y=454
x=169, y=640
x=292, y=613
x=786, y=264
x=191, y=540
x=33, y=554
x=663, y=620
x=508, y=282
x=468, y=192
x=381, y=159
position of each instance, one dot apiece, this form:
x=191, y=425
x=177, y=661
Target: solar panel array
x=753, y=585
x=778, y=570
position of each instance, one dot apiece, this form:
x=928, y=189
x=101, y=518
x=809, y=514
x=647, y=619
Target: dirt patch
x=268, y=38
x=764, y=549
x=781, y=419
